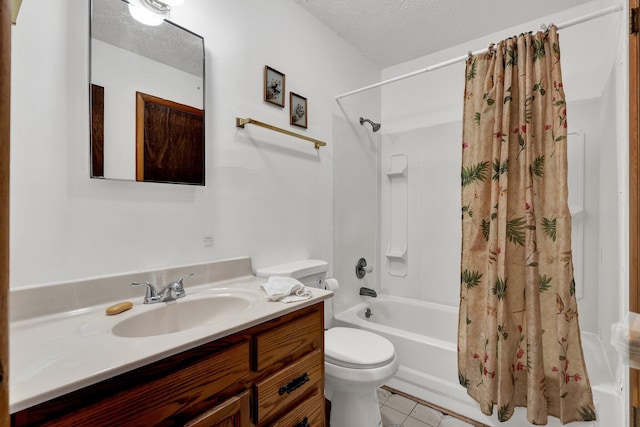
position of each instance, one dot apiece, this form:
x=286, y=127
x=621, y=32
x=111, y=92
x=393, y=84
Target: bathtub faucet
x=368, y=292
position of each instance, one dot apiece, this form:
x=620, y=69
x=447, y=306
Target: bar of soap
x=119, y=308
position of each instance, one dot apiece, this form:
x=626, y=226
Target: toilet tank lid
x=295, y=269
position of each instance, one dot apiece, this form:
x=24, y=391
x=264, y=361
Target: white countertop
x=58, y=353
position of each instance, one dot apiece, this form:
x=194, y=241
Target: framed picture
x=273, y=86
x=298, y=110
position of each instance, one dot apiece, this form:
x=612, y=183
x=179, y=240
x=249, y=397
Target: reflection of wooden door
x=169, y=141
x=634, y=199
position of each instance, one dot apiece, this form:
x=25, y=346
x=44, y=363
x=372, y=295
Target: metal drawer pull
x=303, y=423
x=294, y=384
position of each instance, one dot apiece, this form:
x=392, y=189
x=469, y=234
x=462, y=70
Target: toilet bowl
x=357, y=362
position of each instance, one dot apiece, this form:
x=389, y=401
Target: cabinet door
x=231, y=413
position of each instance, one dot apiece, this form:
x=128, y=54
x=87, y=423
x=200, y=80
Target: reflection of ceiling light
x=152, y=12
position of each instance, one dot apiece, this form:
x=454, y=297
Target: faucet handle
x=177, y=288
x=150, y=294
x=362, y=268
x=179, y=281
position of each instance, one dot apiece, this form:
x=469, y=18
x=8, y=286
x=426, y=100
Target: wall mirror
x=146, y=98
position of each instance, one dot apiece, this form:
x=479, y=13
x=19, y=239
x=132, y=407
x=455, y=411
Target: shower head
x=375, y=126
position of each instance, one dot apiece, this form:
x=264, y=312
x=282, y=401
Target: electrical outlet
x=207, y=241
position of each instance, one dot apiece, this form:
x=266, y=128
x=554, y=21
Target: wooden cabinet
x=270, y=374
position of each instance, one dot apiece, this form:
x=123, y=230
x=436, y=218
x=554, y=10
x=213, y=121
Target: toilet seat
x=357, y=348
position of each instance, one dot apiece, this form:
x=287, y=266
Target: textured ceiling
x=390, y=32
x=166, y=43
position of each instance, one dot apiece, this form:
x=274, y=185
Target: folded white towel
x=285, y=289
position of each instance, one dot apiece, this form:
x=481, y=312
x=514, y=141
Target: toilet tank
x=311, y=272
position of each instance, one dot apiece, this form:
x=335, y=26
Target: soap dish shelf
x=396, y=253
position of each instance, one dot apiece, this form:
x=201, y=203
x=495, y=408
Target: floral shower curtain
x=518, y=334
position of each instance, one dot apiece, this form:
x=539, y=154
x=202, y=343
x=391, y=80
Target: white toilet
x=356, y=363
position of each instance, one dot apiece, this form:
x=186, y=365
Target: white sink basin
x=184, y=314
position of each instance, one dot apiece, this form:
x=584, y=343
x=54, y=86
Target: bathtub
x=424, y=335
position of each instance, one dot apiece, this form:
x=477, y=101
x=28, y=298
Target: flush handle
x=294, y=384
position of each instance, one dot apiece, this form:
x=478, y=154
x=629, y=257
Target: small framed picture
x=298, y=110
x=273, y=86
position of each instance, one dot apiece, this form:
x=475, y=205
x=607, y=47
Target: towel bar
x=241, y=122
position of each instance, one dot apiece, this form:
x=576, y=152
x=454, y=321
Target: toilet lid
x=356, y=348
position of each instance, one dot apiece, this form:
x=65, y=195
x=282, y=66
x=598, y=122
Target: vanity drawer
x=287, y=385
x=292, y=339
x=309, y=413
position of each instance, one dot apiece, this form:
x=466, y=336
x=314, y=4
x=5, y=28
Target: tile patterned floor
x=402, y=411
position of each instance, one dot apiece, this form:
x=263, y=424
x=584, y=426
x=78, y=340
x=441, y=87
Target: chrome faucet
x=172, y=291
x=367, y=292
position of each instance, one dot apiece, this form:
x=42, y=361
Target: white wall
x=267, y=195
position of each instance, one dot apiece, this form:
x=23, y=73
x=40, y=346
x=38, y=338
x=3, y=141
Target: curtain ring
x=543, y=28
x=469, y=55
x=491, y=49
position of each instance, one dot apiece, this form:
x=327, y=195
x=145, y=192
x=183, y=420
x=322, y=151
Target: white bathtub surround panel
x=433, y=155
x=356, y=195
x=428, y=368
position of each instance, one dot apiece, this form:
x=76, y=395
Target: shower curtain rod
x=607, y=10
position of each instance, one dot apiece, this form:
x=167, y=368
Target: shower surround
x=421, y=118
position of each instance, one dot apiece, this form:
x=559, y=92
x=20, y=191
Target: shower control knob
x=362, y=268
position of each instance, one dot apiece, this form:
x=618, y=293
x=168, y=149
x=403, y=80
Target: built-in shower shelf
x=396, y=253
x=397, y=166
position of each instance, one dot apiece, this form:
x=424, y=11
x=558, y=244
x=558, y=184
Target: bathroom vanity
x=265, y=369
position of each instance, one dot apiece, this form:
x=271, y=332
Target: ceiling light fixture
x=152, y=12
